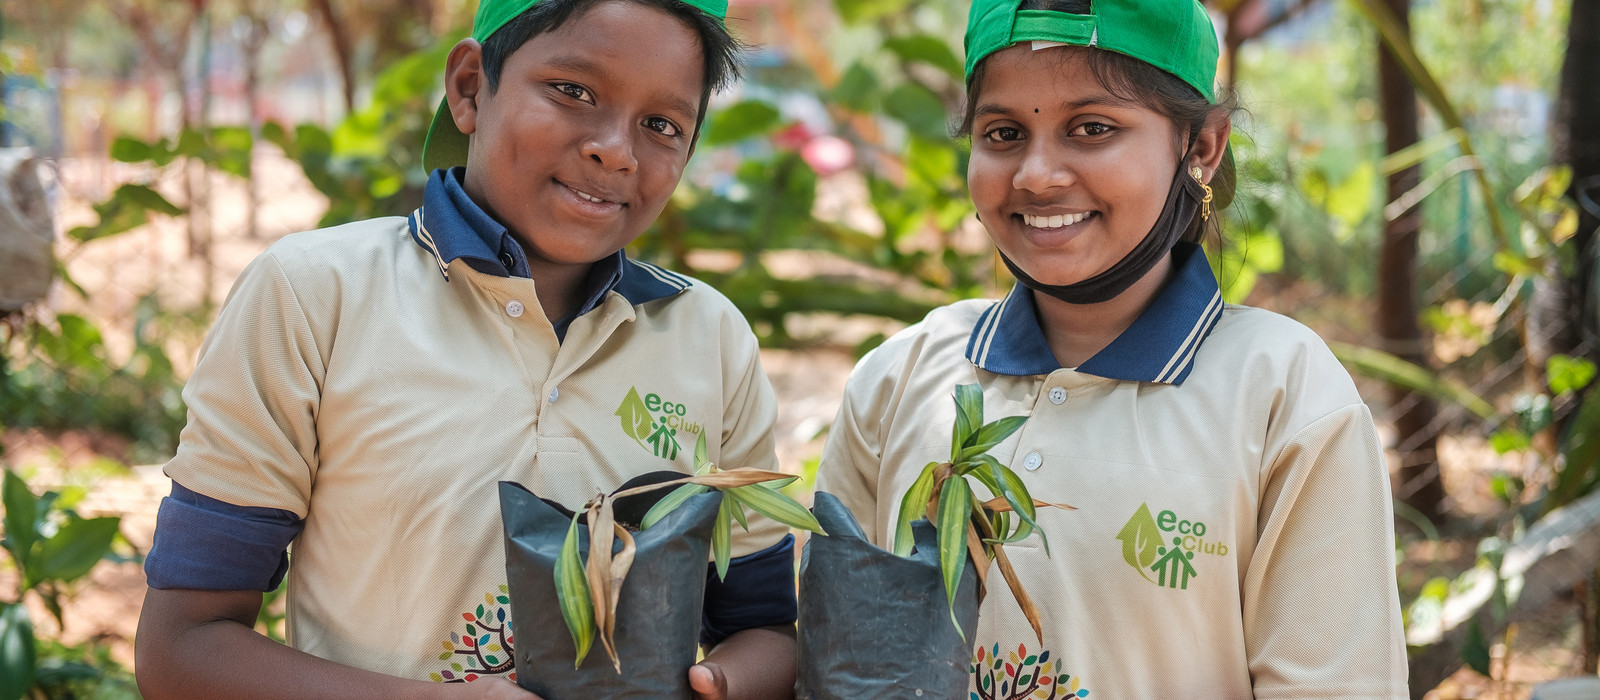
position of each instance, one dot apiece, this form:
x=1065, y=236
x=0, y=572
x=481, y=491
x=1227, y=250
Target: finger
x=707, y=681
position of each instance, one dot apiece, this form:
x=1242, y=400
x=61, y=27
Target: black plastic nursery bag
x=875, y=625
x=658, y=610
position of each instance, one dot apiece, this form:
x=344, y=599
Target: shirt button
x=1032, y=461
x=1058, y=395
x=508, y=261
x=514, y=308
x=555, y=394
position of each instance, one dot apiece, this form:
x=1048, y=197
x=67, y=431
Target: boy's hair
x=1140, y=83
x=720, y=49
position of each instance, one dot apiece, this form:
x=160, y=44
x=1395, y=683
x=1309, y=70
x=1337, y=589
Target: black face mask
x=1183, y=203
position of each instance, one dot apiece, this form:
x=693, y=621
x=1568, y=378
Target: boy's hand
x=708, y=682
x=496, y=689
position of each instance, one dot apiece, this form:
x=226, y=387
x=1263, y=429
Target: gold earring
x=1205, y=204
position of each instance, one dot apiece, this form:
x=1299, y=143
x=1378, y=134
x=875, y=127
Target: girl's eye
x=1092, y=129
x=576, y=92
x=1003, y=133
x=662, y=125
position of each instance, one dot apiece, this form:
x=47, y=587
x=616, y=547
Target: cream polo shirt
x=1233, y=533
x=359, y=381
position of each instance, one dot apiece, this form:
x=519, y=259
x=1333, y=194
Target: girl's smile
x=1066, y=176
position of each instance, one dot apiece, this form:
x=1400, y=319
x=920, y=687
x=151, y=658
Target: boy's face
x=579, y=147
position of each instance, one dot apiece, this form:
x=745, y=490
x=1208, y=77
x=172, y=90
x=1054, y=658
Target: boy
x=366, y=386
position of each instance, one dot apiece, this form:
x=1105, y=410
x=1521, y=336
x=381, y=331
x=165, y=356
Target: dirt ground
x=117, y=271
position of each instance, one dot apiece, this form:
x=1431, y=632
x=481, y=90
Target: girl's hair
x=1135, y=81
x=721, y=50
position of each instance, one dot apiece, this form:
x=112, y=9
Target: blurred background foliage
x=828, y=200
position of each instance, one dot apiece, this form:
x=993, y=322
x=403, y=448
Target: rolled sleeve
x=202, y=543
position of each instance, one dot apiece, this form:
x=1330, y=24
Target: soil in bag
x=875, y=625
x=658, y=610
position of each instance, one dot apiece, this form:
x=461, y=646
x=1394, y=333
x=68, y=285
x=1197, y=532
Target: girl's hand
x=495, y=689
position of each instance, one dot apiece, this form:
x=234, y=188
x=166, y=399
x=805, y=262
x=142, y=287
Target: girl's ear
x=1211, y=144
x=464, y=80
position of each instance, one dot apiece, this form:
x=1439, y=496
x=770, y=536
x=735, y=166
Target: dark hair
x=1135, y=81
x=720, y=49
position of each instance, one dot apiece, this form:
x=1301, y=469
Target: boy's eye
x=1091, y=129
x=1003, y=133
x=662, y=125
x=576, y=92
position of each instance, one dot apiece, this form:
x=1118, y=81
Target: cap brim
x=445, y=146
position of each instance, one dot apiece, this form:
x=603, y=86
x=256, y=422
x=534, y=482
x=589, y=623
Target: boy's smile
x=578, y=148
x=1066, y=177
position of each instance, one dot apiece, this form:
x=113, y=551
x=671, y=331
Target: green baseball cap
x=1173, y=35
x=445, y=145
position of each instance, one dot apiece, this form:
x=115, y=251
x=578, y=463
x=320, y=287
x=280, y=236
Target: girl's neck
x=1076, y=332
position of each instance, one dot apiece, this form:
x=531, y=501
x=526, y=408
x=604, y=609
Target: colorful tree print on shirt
x=485, y=646
x=1018, y=675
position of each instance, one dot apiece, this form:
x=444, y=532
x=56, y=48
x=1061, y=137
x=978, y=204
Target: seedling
x=588, y=591
x=967, y=525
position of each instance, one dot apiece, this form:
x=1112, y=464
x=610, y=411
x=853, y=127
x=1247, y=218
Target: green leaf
x=988, y=436
x=776, y=506
x=128, y=208
x=636, y=420
x=1568, y=374
x=857, y=89
x=74, y=549
x=969, y=415
x=1016, y=493
x=22, y=514
x=741, y=121
x=913, y=508
x=722, y=536
x=669, y=503
x=572, y=593
x=127, y=149
x=1384, y=366
x=701, y=453
x=955, y=509
x=17, y=651
x=919, y=109
x=1140, y=538
x=922, y=48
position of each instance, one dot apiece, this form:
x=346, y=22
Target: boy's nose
x=611, y=146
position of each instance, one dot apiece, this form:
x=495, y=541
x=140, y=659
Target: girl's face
x=1067, y=177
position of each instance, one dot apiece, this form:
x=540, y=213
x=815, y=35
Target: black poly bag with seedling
x=658, y=608
x=877, y=625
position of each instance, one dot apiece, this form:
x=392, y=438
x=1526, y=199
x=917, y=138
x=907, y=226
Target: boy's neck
x=562, y=289
x=1077, y=332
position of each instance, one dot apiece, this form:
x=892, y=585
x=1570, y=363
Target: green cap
x=1173, y=35
x=446, y=146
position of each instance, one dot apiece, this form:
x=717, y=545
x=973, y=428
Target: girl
x=1233, y=534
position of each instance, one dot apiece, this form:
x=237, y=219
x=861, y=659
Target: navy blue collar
x=1159, y=347
x=450, y=226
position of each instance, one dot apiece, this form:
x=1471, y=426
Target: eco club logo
x=655, y=421
x=1145, y=548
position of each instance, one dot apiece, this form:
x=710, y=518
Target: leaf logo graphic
x=1140, y=537
x=636, y=421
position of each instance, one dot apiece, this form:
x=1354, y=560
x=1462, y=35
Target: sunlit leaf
x=912, y=508
x=955, y=510
x=776, y=506
x=721, y=537
x=74, y=549
x=572, y=593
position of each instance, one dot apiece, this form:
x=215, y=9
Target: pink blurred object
x=828, y=154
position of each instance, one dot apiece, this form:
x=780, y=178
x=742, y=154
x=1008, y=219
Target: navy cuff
x=202, y=543
x=759, y=592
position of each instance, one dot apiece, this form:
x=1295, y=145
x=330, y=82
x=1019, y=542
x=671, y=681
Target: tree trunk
x=341, y=52
x=1416, y=439
x=1575, y=142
